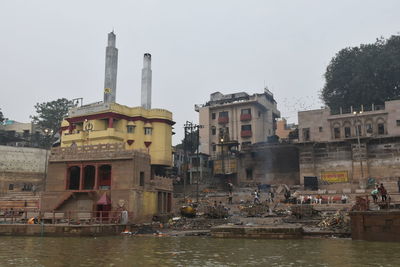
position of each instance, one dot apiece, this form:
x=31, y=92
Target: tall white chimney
x=110, y=77
x=146, y=81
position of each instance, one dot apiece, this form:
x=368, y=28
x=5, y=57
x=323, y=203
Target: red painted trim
x=130, y=142
x=147, y=144
x=116, y=116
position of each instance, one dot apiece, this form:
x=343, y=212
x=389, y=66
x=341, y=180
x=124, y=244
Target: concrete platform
x=259, y=231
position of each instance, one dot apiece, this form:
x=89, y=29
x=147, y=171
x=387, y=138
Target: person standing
x=256, y=197
x=383, y=192
x=230, y=198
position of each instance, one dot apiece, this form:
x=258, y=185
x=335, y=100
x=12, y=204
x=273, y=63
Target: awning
x=104, y=200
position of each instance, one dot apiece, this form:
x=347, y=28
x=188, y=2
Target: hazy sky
x=53, y=49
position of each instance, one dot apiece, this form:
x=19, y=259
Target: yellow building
x=148, y=130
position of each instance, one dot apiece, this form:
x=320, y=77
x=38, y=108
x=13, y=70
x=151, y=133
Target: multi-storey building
x=149, y=130
x=352, y=146
x=323, y=125
x=112, y=157
x=245, y=118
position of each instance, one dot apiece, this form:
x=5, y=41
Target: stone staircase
x=19, y=200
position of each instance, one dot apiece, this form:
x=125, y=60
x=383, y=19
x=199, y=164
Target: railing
x=34, y=216
x=246, y=133
x=245, y=117
x=223, y=120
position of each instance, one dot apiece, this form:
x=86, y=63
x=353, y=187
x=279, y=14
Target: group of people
x=379, y=191
x=257, y=196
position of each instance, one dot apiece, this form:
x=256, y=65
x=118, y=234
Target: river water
x=193, y=251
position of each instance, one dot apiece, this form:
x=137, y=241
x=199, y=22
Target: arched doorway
x=89, y=177
x=74, y=177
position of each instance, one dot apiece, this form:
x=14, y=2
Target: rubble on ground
x=338, y=221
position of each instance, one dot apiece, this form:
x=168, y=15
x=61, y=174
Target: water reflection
x=193, y=251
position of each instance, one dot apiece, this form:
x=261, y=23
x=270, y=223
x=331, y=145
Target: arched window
x=336, y=131
x=380, y=123
x=368, y=126
x=74, y=178
x=358, y=128
x=347, y=129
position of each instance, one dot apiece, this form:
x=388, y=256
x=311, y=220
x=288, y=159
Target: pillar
x=110, y=122
x=96, y=177
x=81, y=178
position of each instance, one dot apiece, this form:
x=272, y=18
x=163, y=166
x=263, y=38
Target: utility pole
x=190, y=128
x=359, y=147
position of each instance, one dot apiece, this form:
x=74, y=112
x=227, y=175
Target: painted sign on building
x=335, y=177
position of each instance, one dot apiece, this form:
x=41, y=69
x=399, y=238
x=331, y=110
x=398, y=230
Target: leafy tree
x=50, y=115
x=191, y=142
x=364, y=75
x=2, y=119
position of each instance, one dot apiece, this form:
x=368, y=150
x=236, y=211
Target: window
x=214, y=147
x=369, y=128
x=130, y=128
x=141, y=179
x=259, y=114
x=381, y=128
x=306, y=134
x=347, y=132
x=320, y=129
x=223, y=114
x=213, y=131
x=246, y=111
x=336, y=132
x=11, y=187
x=148, y=131
x=397, y=122
x=249, y=174
x=246, y=127
x=213, y=116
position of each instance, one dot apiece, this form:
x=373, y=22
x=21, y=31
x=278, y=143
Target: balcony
x=223, y=120
x=246, y=133
x=245, y=117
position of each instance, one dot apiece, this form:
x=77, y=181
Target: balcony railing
x=223, y=120
x=245, y=117
x=246, y=133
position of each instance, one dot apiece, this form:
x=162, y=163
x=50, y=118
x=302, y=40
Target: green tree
x=191, y=142
x=364, y=75
x=49, y=116
x=2, y=119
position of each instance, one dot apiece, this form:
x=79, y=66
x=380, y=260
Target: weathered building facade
x=22, y=168
x=269, y=164
x=245, y=118
x=351, y=146
x=105, y=178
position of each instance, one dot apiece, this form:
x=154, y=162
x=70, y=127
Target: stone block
x=331, y=191
x=346, y=190
x=360, y=191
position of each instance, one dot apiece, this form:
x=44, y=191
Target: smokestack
x=146, y=82
x=110, y=77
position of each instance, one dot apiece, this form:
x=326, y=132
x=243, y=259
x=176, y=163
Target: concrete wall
x=379, y=158
x=375, y=225
x=19, y=165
